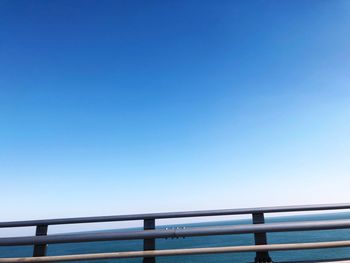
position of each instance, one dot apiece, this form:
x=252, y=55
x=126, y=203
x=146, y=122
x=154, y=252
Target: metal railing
x=149, y=234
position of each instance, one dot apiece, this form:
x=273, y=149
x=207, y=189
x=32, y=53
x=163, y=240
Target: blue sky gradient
x=112, y=107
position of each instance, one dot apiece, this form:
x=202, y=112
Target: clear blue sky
x=111, y=107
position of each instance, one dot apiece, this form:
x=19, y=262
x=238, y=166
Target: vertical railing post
x=40, y=250
x=149, y=244
x=260, y=239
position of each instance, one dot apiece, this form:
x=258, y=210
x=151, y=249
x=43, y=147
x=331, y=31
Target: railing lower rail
x=259, y=228
x=181, y=252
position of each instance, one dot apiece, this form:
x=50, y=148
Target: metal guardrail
x=259, y=228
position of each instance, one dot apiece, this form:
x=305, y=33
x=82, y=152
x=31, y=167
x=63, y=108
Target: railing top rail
x=177, y=232
x=168, y=215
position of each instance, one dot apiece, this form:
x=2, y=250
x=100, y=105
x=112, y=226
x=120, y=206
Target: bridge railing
x=149, y=234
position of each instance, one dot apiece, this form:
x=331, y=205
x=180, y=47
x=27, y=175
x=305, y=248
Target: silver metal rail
x=259, y=228
x=181, y=252
x=169, y=215
x=176, y=232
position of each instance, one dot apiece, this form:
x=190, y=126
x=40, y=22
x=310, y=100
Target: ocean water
x=212, y=241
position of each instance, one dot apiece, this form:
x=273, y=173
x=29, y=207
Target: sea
x=213, y=241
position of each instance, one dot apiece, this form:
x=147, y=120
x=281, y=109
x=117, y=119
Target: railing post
x=149, y=244
x=40, y=250
x=260, y=239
